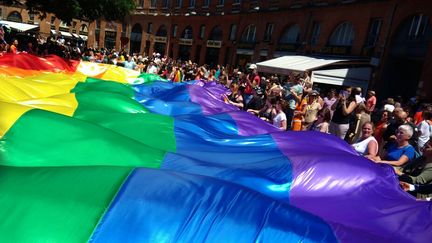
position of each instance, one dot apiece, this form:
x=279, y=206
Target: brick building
x=94, y=34
x=394, y=34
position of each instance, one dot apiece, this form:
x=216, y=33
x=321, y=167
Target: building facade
x=96, y=34
x=395, y=35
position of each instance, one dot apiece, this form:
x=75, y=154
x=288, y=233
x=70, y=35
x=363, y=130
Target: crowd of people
x=391, y=132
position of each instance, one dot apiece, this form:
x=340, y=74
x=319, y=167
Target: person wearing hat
x=389, y=105
x=310, y=110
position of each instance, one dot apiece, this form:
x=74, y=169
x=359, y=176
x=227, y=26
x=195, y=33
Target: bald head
x=400, y=114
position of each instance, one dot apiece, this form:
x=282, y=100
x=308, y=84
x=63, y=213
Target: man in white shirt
x=152, y=68
x=425, y=128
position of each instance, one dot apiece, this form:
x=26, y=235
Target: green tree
x=89, y=10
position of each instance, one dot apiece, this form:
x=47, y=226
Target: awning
x=287, y=64
x=345, y=72
x=19, y=26
x=83, y=37
x=75, y=35
x=65, y=34
x=54, y=32
x=354, y=77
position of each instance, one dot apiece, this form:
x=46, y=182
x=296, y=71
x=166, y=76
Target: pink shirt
x=370, y=103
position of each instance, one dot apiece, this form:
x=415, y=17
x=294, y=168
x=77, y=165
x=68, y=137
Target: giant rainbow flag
x=93, y=152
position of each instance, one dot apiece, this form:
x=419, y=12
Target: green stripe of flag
x=41, y=138
x=55, y=204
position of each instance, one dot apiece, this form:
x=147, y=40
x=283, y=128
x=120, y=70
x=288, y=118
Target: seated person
x=419, y=174
x=265, y=113
x=367, y=145
x=400, y=152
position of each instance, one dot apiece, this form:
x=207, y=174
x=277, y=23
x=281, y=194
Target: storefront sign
x=160, y=39
x=185, y=42
x=214, y=43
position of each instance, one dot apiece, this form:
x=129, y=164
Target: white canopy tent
x=323, y=70
x=287, y=64
x=354, y=77
x=66, y=34
x=83, y=37
x=19, y=26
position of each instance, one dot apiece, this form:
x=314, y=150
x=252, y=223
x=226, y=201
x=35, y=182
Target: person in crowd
x=329, y=100
x=212, y=77
x=358, y=97
x=344, y=106
x=30, y=49
x=307, y=88
x=381, y=126
x=360, y=118
x=400, y=118
x=235, y=98
x=307, y=83
x=275, y=88
x=389, y=105
x=419, y=174
x=121, y=60
x=130, y=63
x=418, y=190
x=370, y=102
x=279, y=117
x=324, y=118
x=258, y=100
x=293, y=96
x=152, y=68
x=14, y=47
x=263, y=83
x=425, y=128
x=398, y=101
x=310, y=110
x=400, y=152
x=418, y=113
x=265, y=113
x=251, y=80
x=367, y=145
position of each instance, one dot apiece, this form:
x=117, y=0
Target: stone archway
x=186, y=40
x=161, y=40
x=135, y=38
x=214, y=44
x=406, y=56
x=14, y=17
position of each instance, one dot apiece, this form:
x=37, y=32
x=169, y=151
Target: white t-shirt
x=361, y=147
x=277, y=120
x=152, y=69
x=425, y=133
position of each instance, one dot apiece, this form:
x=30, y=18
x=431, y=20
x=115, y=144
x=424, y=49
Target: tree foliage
x=88, y=10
